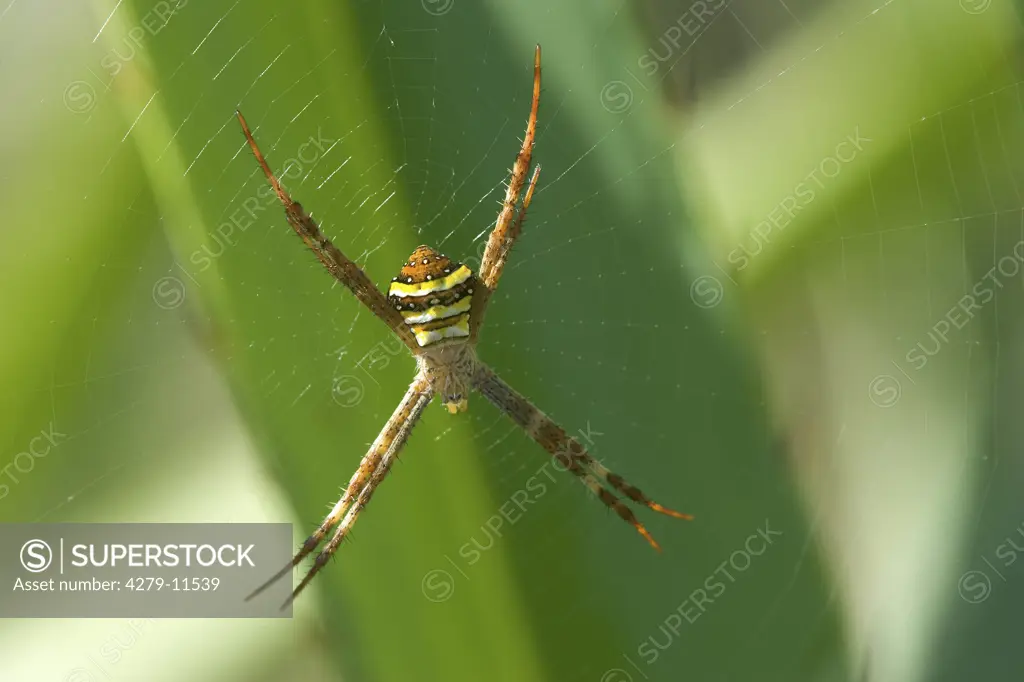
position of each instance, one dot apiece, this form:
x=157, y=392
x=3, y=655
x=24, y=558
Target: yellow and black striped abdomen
x=434, y=295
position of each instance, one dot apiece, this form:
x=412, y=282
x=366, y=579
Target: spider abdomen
x=434, y=295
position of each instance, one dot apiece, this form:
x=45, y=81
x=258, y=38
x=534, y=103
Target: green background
x=199, y=371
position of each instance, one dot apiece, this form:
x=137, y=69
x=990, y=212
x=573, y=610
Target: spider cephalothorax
x=435, y=306
x=449, y=369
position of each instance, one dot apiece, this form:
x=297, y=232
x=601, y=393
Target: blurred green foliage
x=151, y=248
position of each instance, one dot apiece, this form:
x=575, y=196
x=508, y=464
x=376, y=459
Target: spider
x=436, y=307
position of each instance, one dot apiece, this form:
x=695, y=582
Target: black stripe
x=447, y=297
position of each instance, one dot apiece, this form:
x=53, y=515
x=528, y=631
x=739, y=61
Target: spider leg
x=366, y=467
x=336, y=262
x=371, y=471
x=390, y=447
x=509, y=223
x=483, y=298
x=567, y=450
x=365, y=494
x=621, y=485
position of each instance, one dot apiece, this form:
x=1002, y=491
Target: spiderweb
x=396, y=126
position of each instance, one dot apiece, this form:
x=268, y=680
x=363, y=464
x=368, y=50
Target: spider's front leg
x=374, y=467
x=509, y=224
x=567, y=450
